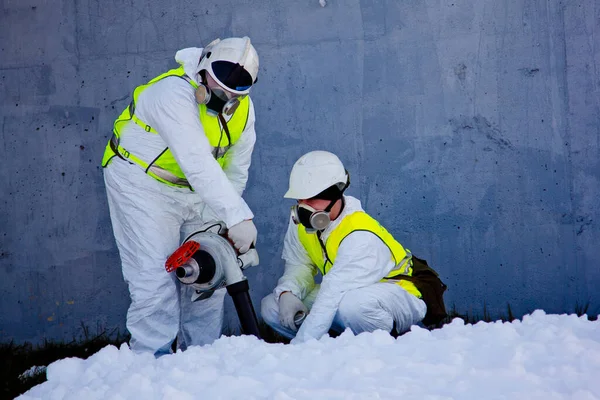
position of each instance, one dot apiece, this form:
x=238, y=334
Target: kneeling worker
x=359, y=260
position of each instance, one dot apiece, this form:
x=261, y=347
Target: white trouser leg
x=146, y=219
x=269, y=309
x=378, y=306
x=366, y=309
x=201, y=321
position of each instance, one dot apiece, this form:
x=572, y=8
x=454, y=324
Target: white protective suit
x=351, y=294
x=150, y=219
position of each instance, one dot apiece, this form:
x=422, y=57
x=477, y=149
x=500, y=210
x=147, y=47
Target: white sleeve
x=239, y=156
x=362, y=260
x=299, y=275
x=169, y=107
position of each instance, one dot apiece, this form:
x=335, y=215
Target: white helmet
x=232, y=62
x=314, y=172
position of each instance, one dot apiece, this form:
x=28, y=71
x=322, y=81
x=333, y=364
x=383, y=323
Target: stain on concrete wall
x=471, y=130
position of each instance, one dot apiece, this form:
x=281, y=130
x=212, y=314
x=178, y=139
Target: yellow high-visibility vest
x=165, y=168
x=323, y=254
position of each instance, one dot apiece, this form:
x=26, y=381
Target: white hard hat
x=232, y=62
x=313, y=173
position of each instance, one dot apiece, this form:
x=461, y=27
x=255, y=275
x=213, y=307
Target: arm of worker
x=299, y=275
x=362, y=259
x=239, y=156
x=170, y=107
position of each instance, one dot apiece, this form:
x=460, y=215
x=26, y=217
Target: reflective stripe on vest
x=164, y=167
x=323, y=255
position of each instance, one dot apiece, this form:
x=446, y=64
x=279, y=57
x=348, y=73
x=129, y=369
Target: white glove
x=289, y=306
x=243, y=235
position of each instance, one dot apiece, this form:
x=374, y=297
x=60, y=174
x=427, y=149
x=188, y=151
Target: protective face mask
x=229, y=104
x=312, y=219
x=215, y=105
x=216, y=100
x=220, y=93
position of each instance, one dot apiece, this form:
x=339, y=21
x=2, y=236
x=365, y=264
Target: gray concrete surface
x=471, y=130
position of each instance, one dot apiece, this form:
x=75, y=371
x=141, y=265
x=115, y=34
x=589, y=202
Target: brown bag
x=428, y=282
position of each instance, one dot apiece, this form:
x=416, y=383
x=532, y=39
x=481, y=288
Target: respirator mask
x=217, y=100
x=317, y=220
x=313, y=220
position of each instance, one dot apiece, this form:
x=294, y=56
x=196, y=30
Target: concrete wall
x=471, y=130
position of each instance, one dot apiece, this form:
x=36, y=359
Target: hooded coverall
x=351, y=294
x=150, y=218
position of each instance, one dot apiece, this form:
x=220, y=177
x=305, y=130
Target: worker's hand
x=243, y=235
x=289, y=305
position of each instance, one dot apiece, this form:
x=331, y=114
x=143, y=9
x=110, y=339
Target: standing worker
x=178, y=158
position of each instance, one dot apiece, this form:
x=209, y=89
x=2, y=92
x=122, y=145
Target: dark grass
x=17, y=359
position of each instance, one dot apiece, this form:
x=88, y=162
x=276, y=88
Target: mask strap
x=332, y=202
x=347, y=181
x=224, y=124
x=330, y=206
x=341, y=195
x=223, y=128
x=324, y=251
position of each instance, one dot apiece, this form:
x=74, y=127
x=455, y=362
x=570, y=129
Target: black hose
x=243, y=305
